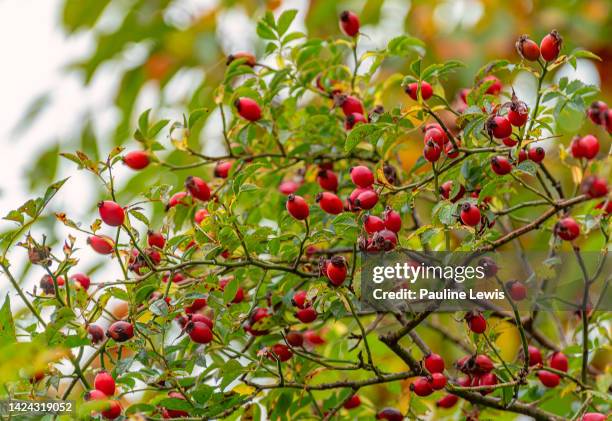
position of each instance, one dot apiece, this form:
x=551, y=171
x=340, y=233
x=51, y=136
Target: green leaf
x=229, y=292
x=143, y=123
x=528, y=167
x=357, y=135
x=7, y=327
x=284, y=21
x=415, y=67
x=197, y=115
x=585, y=54
x=265, y=32
x=14, y=215
x=404, y=45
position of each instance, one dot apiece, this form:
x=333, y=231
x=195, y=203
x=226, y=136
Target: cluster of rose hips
x=104, y=388
x=437, y=141
x=436, y=380
x=381, y=232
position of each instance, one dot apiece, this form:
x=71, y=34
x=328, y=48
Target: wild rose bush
x=244, y=300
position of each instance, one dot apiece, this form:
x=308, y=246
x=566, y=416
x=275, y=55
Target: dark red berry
x=435, y=134
x=136, y=160
x=350, y=105
x=567, y=229
x=501, y=165
x=82, y=280
x=559, y=361
x=199, y=332
x=550, y=46
x=313, y=338
x=549, y=379
x=197, y=304
x=288, y=187
x=120, y=331
x=105, y=383
x=330, y=203
x=536, y=154
x=295, y=338
x=528, y=48
x=522, y=155
x=336, y=270
x=197, y=188
x=328, y=180
x=535, y=356
x=495, y=87
x=421, y=387
x=597, y=112
x=434, y=363
x=447, y=401
x=476, y=322
x=446, y=189
x=432, y=151
x=412, y=90
x=257, y=322
x=488, y=379
x=585, y=147
x=362, y=176
x=306, y=315
x=300, y=299
x=606, y=206
x=282, y=352
x=438, y=381
x=297, y=207
x=510, y=141
x=95, y=333
x=101, y=244
x=489, y=266
x=593, y=416
x=450, y=150
x=349, y=23
x=517, y=290
x=470, y=214
x=177, y=199
x=482, y=364
x=384, y=240
x=200, y=215
x=518, y=114
x=499, y=127
x=354, y=119
x=393, y=220
x=222, y=169
x=248, y=108
x=389, y=414
x=113, y=411
x=366, y=199
x=373, y=224
x=111, y=213
x=594, y=186
x=352, y=402
x=156, y=239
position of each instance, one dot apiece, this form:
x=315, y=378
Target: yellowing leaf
x=243, y=389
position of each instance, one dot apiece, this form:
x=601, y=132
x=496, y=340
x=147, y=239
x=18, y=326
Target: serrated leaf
x=284, y=21
x=265, y=32
x=404, y=45
x=143, y=123
x=358, y=134
x=528, y=167
x=7, y=326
